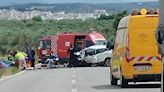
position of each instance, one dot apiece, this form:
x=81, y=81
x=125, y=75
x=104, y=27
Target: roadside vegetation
x=9, y=71
x=17, y=34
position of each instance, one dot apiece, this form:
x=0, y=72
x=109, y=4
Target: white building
x=18, y=15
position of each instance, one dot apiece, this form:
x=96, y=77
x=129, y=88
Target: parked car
x=95, y=55
x=5, y=64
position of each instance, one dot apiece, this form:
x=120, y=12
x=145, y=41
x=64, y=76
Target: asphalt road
x=95, y=79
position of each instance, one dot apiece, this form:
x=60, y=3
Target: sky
x=8, y=2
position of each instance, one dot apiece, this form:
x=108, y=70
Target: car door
x=101, y=54
x=89, y=56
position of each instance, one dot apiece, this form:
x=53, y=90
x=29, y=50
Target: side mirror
x=159, y=38
x=160, y=34
x=112, y=47
x=109, y=45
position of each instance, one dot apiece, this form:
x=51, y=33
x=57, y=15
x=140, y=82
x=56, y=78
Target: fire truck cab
x=44, y=48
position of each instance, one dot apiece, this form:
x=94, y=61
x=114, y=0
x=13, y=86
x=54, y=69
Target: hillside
x=82, y=7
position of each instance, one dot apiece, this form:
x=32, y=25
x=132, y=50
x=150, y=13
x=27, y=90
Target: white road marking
x=73, y=81
x=74, y=71
x=74, y=90
x=74, y=76
x=8, y=77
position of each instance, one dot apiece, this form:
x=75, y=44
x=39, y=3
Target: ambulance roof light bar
x=144, y=11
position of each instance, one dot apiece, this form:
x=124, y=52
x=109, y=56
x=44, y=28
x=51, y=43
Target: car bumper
x=146, y=77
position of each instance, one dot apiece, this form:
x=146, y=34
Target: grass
x=8, y=71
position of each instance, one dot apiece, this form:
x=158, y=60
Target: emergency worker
x=72, y=58
x=21, y=57
x=32, y=55
x=11, y=56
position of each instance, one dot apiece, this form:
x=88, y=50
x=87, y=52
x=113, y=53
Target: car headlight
x=57, y=59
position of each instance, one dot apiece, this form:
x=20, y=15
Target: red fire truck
x=60, y=44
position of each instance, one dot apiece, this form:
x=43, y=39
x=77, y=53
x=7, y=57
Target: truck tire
x=123, y=82
x=113, y=80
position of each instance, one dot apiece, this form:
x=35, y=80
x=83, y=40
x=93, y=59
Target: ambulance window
x=124, y=36
x=120, y=36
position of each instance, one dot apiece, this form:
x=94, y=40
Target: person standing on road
x=32, y=53
x=71, y=52
x=31, y=56
x=10, y=55
x=21, y=56
x=28, y=59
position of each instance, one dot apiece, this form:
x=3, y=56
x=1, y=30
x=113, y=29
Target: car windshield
x=101, y=42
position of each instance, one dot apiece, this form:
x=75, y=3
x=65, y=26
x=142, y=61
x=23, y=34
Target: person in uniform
x=72, y=57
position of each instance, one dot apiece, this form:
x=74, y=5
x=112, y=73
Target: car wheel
x=123, y=82
x=107, y=62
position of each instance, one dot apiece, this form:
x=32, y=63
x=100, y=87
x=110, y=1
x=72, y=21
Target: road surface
x=95, y=79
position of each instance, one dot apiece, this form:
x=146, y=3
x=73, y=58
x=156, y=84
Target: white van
x=95, y=55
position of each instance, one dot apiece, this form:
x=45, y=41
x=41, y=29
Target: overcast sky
x=7, y=2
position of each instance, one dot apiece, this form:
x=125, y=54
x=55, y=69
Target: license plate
x=142, y=68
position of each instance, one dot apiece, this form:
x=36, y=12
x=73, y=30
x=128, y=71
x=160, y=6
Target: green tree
x=118, y=17
x=16, y=34
x=37, y=18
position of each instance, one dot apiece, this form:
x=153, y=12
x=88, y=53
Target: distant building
x=18, y=15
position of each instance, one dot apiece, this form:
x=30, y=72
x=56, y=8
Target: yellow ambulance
x=135, y=55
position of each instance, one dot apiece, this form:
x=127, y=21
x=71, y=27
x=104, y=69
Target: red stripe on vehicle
x=158, y=58
x=150, y=58
x=140, y=59
x=54, y=44
x=132, y=58
x=129, y=59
